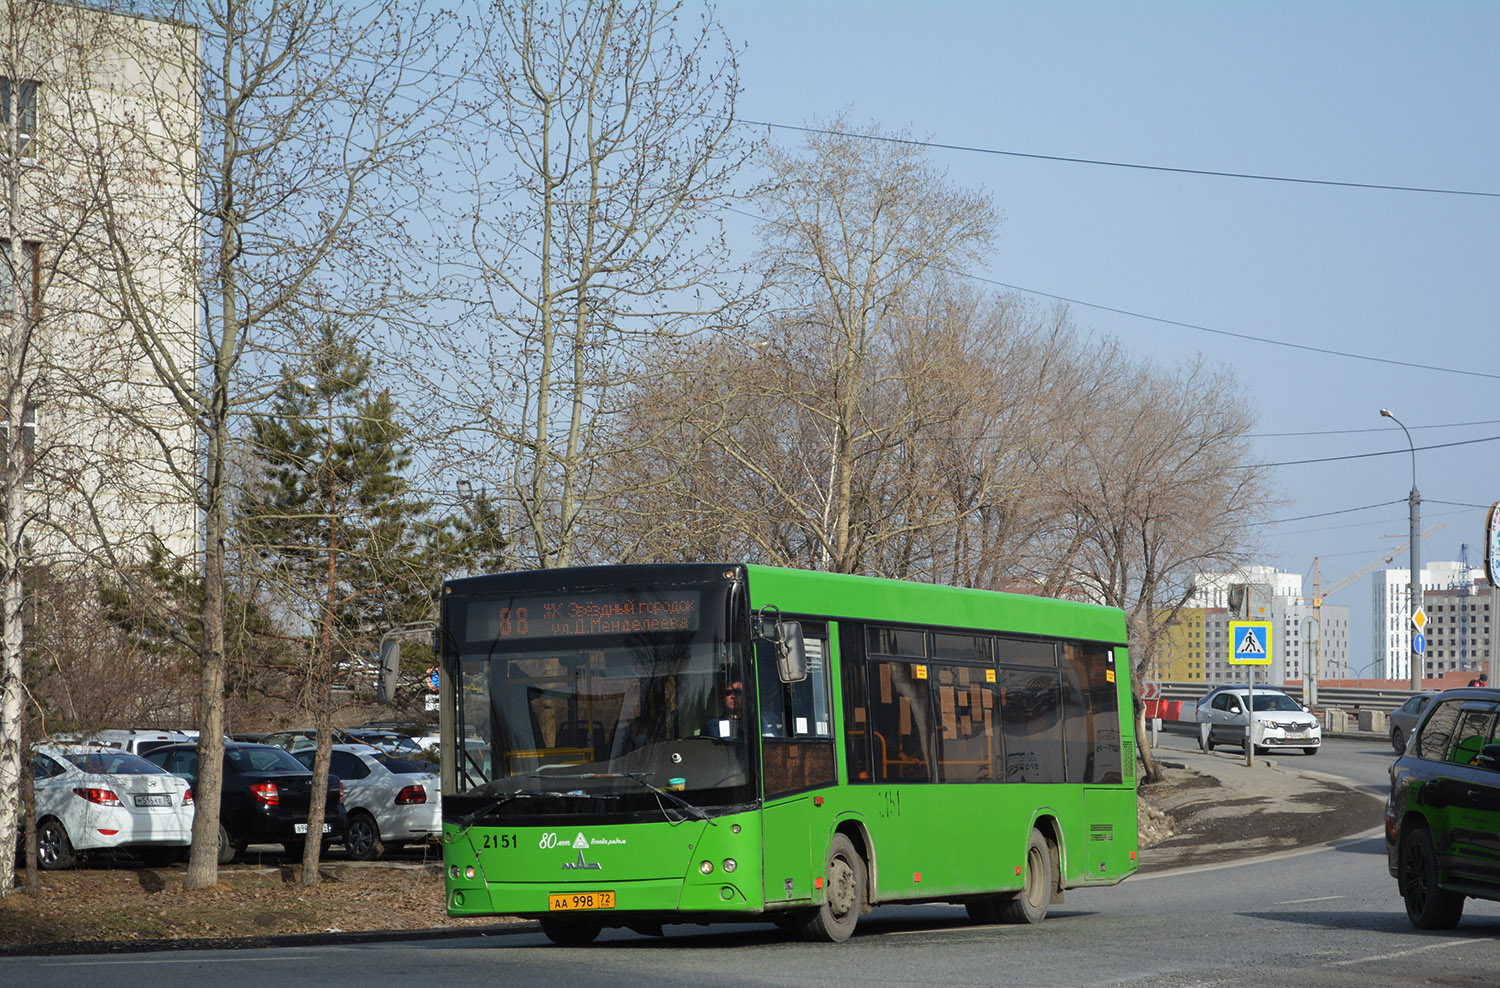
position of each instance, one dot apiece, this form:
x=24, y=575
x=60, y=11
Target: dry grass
x=126, y=902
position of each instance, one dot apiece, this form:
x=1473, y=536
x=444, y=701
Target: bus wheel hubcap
x=841, y=893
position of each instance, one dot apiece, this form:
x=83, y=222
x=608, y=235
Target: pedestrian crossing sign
x=1252, y=643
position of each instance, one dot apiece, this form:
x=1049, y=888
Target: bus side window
x=901, y=721
x=1091, y=711
x=1031, y=722
x=969, y=730
x=808, y=711
x=857, y=738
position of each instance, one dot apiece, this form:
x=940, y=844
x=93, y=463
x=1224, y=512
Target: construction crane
x=1464, y=584
x=1374, y=564
x=1318, y=596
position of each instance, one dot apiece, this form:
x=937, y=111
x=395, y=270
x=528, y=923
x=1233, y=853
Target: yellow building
x=1195, y=647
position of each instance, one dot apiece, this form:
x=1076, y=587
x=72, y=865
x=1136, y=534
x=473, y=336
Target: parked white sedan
x=391, y=800
x=93, y=797
x=1280, y=721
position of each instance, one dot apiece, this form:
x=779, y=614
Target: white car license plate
x=301, y=828
x=153, y=800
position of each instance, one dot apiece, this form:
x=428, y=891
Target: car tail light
x=411, y=794
x=187, y=797
x=266, y=793
x=104, y=797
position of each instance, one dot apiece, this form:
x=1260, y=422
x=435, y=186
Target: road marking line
x=936, y=929
x=1400, y=953
x=1321, y=898
x=141, y=959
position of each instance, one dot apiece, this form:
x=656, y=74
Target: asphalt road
x=1327, y=917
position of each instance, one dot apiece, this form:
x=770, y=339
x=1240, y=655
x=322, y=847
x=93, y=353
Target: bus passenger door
x=797, y=759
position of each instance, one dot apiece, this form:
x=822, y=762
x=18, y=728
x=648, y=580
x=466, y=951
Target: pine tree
x=332, y=523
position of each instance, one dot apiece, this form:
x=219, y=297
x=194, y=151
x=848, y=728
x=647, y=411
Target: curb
x=75, y=947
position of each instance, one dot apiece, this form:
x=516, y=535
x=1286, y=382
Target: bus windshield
x=631, y=698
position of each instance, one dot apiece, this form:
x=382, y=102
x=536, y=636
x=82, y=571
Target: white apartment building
x=1265, y=583
x=1466, y=601
x=89, y=96
x=1308, y=640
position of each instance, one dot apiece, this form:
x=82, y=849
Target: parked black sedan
x=265, y=798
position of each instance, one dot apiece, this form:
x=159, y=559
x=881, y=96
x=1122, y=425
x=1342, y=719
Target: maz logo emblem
x=582, y=865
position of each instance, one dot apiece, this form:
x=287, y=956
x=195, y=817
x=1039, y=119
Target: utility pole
x=1414, y=587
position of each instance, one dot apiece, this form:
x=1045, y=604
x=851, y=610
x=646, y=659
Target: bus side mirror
x=791, y=657
x=786, y=638
x=390, y=668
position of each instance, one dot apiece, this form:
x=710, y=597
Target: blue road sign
x=1419, y=643
x=1252, y=643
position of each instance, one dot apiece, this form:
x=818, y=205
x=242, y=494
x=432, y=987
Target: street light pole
x=1415, y=585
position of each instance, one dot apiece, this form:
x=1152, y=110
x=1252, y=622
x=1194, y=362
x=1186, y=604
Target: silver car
x=1280, y=721
x=1405, y=718
x=391, y=800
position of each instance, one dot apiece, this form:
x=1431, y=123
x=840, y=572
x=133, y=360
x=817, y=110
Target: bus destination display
x=597, y=613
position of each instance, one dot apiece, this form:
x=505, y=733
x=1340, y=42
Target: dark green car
x=1442, y=818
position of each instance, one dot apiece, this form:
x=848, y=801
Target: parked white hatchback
x=92, y=797
x=391, y=800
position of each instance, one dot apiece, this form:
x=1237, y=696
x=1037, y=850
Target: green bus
x=628, y=746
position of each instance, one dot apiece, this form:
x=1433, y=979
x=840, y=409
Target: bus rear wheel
x=1030, y=904
x=834, y=920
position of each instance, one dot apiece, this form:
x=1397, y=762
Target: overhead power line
x=1350, y=432
x=1329, y=514
x=1243, y=336
x=1364, y=456
x=1133, y=165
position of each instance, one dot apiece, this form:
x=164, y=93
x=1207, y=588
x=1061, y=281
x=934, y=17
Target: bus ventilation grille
x=1129, y=759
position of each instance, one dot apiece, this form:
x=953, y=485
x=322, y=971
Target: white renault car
x=1280, y=721
x=391, y=800
x=90, y=797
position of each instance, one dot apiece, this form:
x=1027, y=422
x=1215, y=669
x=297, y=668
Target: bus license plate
x=581, y=900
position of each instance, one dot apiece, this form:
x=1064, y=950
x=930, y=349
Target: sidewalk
x=1223, y=810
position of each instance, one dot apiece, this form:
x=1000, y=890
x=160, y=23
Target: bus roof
x=904, y=601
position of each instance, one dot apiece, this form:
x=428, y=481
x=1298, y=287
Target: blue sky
x=1369, y=93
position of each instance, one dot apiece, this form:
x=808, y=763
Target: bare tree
x=743, y=468
x=595, y=233
x=1151, y=485
x=313, y=119
x=839, y=409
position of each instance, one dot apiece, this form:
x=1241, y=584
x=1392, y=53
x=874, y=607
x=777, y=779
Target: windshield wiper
x=637, y=777
x=468, y=821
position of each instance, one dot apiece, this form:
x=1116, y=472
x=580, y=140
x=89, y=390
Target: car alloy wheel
x=53, y=848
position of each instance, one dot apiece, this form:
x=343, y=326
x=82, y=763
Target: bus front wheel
x=833, y=921
x=566, y=933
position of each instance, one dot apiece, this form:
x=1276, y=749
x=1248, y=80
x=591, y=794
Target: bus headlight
x=730, y=864
x=706, y=867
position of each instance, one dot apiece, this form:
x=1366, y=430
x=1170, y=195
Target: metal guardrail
x=1348, y=698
